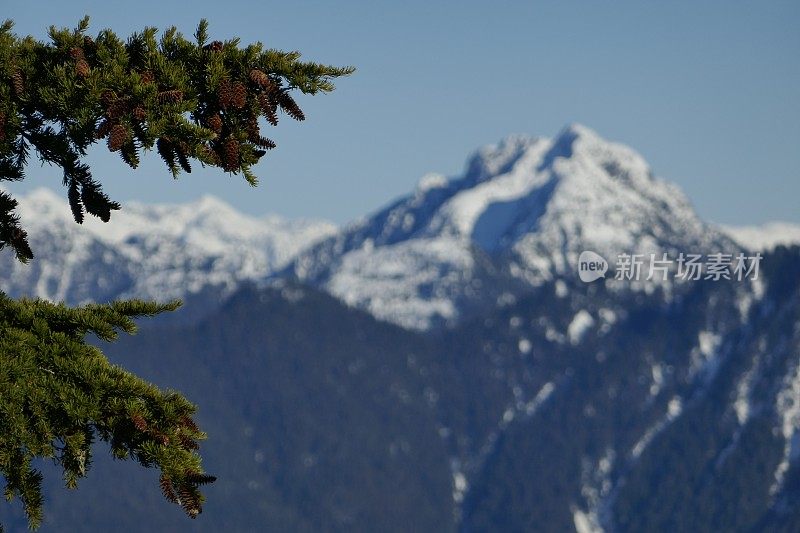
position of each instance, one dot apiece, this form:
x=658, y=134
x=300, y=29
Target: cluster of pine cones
x=232, y=113
x=236, y=109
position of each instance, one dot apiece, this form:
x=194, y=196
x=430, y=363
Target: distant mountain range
x=518, y=217
x=159, y=251
x=439, y=365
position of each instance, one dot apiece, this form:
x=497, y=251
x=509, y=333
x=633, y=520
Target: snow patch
x=431, y=181
x=674, y=410
x=586, y=522
x=579, y=326
x=524, y=346
x=787, y=405
x=766, y=236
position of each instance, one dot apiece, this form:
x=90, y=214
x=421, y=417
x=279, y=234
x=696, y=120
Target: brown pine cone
x=288, y=104
x=18, y=81
x=230, y=160
x=116, y=109
x=82, y=68
x=238, y=95
x=209, y=155
x=263, y=142
x=166, y=151
x=269, y=108
x=225, y=93
x=139, y=422
x=253, y=130
x=259, y=78
x=171, y=96
x=103, y=129
x=214, y=123
x=215, y=46
x=147, y=76
x=117, y=137
x=166, y=489
x=108, y=97
x=182, y=152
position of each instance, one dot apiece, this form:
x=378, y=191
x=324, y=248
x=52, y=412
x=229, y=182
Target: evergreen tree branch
x=58, y=394
x=191, y=99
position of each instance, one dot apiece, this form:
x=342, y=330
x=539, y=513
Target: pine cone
x=225, y=93
x=215, y=46
x=139, y=113
x=189, y=501
x=208, y=155
x=117, y=109
x=263, y=142
x=230, y=158
x=259, y=78
x=269, y=108
x=188, y=442
x=147, y=76
x=82, y=68
x=166, y=151
x=103, y=129
x=18, y=82
x=190, y=424
x=130, y=154
x=117, y=137
x=182, y=153
x=171, y=96
x=253, y=130
x=288, y=104
x=107, y=98
x=238, y=95
x=166, y=489
x=139, y=422
x=214, y=123
x=76, y=53
x=196, y=478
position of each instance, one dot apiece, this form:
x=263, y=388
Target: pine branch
x=44, y=359
x=189, y=99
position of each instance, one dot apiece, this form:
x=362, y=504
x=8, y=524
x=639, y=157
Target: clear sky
x=706, y=91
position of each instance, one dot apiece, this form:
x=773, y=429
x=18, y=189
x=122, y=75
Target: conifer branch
x=189, y=99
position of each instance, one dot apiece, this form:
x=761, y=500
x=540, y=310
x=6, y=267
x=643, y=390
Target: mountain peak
x=574, y=131
x=529, y=204
x=150, y=251
x=498, y=158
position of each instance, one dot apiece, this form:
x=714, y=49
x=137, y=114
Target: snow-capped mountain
x=525, y=208
x=516, y=219
x=766, y=236
x=550, y=404
x=149, y=251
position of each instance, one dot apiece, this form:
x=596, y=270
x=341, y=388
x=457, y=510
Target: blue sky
x=706, y=91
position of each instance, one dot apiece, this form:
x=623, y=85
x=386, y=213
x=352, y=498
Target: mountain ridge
x=517, y=217
x=528, y=206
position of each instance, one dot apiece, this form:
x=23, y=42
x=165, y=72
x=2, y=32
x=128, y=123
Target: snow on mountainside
x=518, y=217
x=149, y=251
x=764, y=237
x=528, y=206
